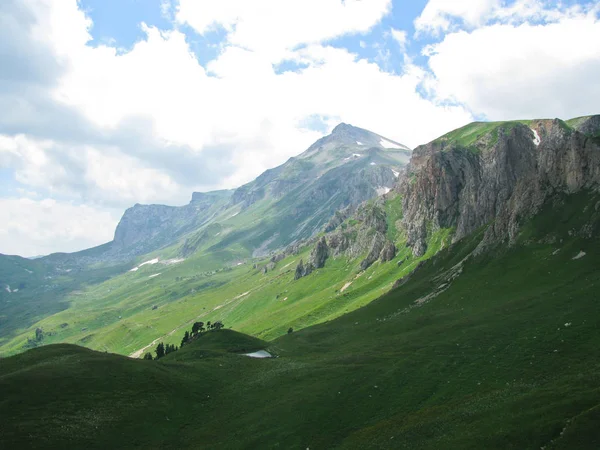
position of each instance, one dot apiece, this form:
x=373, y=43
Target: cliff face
x=499, y=174
x=144, y=228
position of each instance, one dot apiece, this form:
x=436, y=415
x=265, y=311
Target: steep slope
x=502, y=356
x=454, y=186
x=341, y=170
x=500, y=173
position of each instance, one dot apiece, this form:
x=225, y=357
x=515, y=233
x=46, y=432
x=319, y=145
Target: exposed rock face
x=502, y=182
x=365, y=235
x=302, y=270
x=144, y=228
x=318, y=257
x=337, y=219
x=319, y=254
x=377, y=244
x=388, y=252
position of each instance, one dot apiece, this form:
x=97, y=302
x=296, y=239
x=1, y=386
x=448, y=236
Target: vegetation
x=503, y=356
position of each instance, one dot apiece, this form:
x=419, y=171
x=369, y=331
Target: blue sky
x=108, y=103
x=118, y=22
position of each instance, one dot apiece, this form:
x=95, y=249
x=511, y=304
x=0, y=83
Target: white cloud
x=438, y=15
x=274, y=26
x=101, y=175
x=152, y=124
x=29, y=227
x=509, y=71
x=401, y=38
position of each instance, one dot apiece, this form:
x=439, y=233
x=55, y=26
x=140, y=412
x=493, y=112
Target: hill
x=477, y=349
x=451, y=188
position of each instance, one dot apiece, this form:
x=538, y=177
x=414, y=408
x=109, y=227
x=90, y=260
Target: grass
x=489, y=363
x=129, y=311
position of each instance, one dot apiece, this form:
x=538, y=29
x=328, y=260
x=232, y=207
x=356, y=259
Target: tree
x=186, y=338
x=198, y=327
x=218, y=325
x=160, y=350
x=290, y=330
x=39, y=334
x=208, y=325
x=148, y=356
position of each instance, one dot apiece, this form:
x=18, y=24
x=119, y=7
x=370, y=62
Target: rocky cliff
x=498, y=174
x=144, y=228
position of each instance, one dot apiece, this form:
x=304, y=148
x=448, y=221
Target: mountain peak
x=343, y=128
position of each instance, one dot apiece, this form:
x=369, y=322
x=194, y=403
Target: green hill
x=494, y=349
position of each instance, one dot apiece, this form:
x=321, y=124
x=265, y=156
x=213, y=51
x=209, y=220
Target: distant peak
x=341, y=128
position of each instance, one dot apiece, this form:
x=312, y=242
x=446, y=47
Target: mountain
x=457, y=310
x=492, y=350
x=499, y=174
x=296, y=199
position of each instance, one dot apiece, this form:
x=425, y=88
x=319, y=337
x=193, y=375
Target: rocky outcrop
x=316, y=260
x=302, y=270
x=501, y=179
x=388, y=252
x=319, y=254
x=144, y=228
x=377, y=244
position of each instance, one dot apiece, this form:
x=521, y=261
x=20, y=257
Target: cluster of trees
x=197, y=329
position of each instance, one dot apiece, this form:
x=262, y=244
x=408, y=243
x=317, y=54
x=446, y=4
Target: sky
x=109, y=103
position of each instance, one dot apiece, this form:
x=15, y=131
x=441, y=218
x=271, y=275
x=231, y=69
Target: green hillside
x=498, y=350
x=131, y=310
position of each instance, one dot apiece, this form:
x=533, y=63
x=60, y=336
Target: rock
x=377, y=244
x=319, y=254
x=502, y=179
x=303, y=270
x=388, y=252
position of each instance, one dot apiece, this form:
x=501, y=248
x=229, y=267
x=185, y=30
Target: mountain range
x=437, y=298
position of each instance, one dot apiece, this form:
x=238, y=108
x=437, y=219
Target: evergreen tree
x=160, y=350
x=208, y=325
x=290, y=330
x=218, y=325
x=148, y=356
x=196, y=328
x=186, y=338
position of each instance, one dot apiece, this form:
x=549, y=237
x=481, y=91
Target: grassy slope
x=118, y=315
x=489, y=363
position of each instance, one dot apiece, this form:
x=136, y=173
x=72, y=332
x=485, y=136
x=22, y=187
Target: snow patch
x=579, y=255
x=382, y=190
x=152, y=261
x=373, y=164
x=233, y=215
x=155, y=275
x=536, y=137
x=28, y=271
x=354, y=155
x=396, y=174
x=169, y=262
x=259, y=354
x=8, y=289
x=359, y=143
